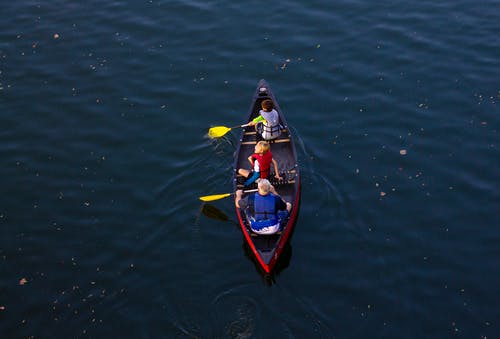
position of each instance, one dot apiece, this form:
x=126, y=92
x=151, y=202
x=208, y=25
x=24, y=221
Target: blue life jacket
x=264, y=212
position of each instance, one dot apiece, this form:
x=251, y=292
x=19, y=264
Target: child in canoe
x=268, y=122
x=261, y=162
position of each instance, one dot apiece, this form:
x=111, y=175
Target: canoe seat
x=275, y=141
x=280, y=140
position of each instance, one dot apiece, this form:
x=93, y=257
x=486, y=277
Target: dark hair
x=267, y=105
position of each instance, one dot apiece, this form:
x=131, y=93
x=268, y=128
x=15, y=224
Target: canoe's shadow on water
x=213, y=212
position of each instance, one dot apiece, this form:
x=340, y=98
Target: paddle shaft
x=222, y=196
x=248, y=191
x=219, y=131
x=239, y=126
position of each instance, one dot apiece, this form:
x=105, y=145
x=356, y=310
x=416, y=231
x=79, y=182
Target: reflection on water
x=213, y=212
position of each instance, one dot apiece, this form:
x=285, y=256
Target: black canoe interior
x=284, y=153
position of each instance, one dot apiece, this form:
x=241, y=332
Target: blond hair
x=263, y=146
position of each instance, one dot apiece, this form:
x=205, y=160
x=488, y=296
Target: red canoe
x=268, y=248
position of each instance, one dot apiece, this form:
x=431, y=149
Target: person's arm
x=237, y=199
x=260, y=118
x=241, y=202
x=276, y=172
x=250, y=159
x=280, y=203
x=273, y=191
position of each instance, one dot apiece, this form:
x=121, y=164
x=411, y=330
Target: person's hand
x=273, y=190
x=277, y=176
x=239, y=193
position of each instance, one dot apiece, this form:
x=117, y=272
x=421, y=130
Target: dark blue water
x=104, y=109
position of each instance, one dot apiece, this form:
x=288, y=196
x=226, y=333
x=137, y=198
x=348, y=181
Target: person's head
x=264, y=186
x=262, y=147
x=267, y=105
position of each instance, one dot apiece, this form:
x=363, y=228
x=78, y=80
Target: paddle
x=219, y=131
x=222, y=196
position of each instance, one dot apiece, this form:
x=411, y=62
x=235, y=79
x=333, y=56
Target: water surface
x=105, y=109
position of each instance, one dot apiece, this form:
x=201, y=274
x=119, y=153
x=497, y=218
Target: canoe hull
x=268, y=248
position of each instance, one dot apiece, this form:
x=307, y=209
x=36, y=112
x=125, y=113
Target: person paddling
x=261, y=162
x=264, y=206
x=267, y=124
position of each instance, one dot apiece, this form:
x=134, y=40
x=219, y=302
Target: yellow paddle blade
x=214, y=197
x=218, y=131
